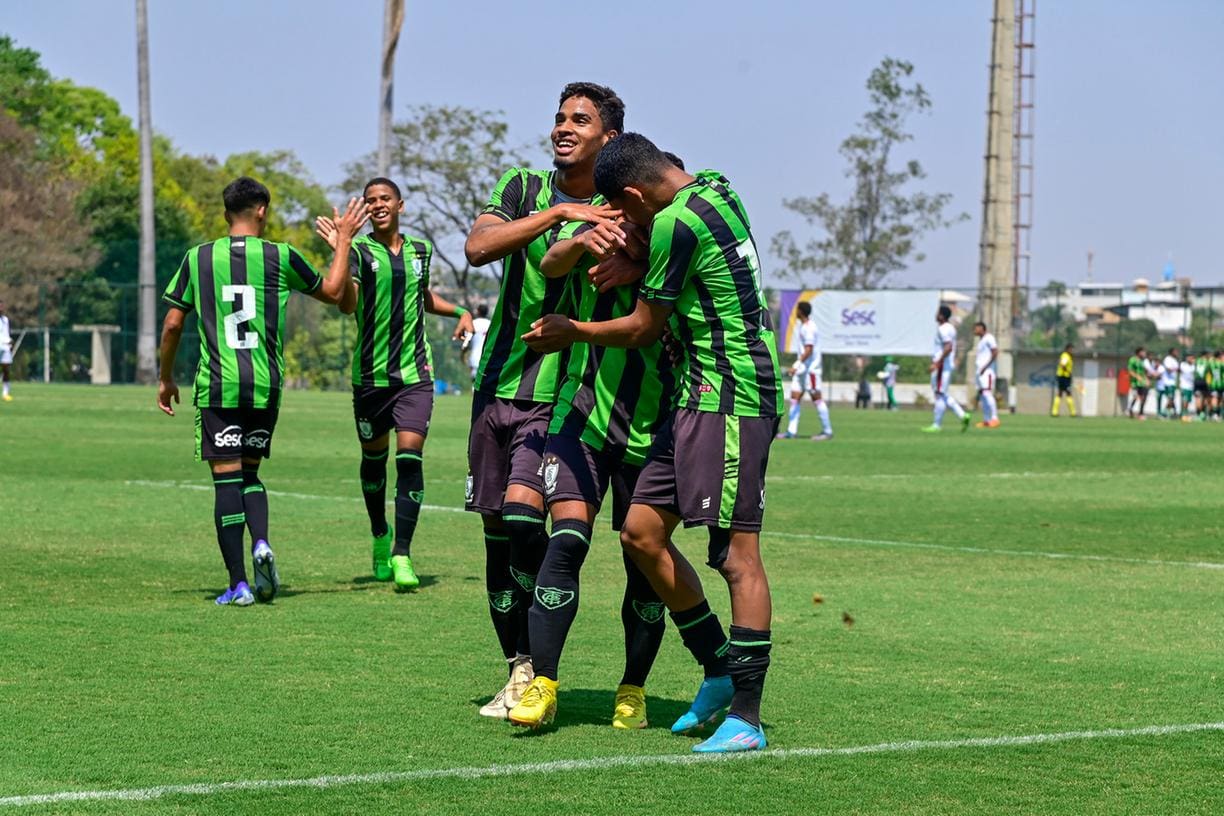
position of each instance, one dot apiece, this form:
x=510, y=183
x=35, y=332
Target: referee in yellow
x=1063, y=373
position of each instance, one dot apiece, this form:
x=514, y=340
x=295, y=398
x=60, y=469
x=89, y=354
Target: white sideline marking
x=597, y=764
x=281, y=493
x=872, y=542
x=1058, y=556
x=1017, y=474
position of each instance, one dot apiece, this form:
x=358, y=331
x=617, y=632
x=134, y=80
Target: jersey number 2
x=234, y=338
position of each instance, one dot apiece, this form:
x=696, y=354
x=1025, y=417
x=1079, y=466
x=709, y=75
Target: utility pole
x=146, y=341
x=393, y=21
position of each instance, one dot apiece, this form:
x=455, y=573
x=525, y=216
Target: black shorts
x=1201, y=387
x=505, y=447
x=378, y=409
x=232, y=433
x=709, y=469
x=1064, y=385
x=574, y=471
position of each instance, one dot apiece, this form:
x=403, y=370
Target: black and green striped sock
x=230, y=520
x=374, y=489
x=703, y=635
x=409, y=494
x=747, y=662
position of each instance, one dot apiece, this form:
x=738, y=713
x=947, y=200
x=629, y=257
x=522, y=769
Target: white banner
x=882, y=321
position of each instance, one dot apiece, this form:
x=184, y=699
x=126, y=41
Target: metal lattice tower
x=1022, y=144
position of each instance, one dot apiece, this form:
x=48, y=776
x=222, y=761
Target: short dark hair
x=804, y=308
x=945, y=311
x=628, y=160
x=482, y=310
x=980, y=323
x=1068, y=347
x=243, y=193
x=1138, y=349
x=611, y=108
x=674, y=159
x=383, y=180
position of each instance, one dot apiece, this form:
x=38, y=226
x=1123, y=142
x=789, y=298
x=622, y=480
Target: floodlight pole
x=146, y=342
x=393, y=20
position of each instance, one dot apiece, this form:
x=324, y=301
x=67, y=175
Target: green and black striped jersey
x=508, y=369
x=392, y=348
x=240, y=286
x=703, y=263
x=612, y=399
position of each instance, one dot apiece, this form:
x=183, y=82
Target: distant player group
x=1186, y=388
x=617, y=264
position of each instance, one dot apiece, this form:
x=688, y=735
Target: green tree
x=447, y=159
x=875, y=232
x=1126, y=335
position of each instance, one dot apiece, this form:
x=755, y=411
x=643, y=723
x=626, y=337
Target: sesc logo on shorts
x=228, y=437
x=551, y=469
x=469, y=489
x=365, y=430
x=259, y=439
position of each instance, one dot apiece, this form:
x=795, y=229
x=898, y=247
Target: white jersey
x=945, y=333
x=480, y=326
x=986, y=347
x=890, y=374
x=1168, y=373
x=1186, y=372
x=6, y=339
x=806, y=334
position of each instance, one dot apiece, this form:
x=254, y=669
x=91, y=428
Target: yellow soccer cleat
x=630, y=711
x=538, y=706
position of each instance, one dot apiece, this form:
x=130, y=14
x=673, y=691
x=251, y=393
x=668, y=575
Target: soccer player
x=942, y=362
x=611, y=403
x=984, y=373
x=1139, y=383
x=1217, y=385
x=1169, y=368
x=805, y=375
x=240, y=286
x=1202, y=384
x=475, y=343
x=1185, y=382
x=516, y=386
x=890, y=381
x=392, y=370
x=6, y=352
x=1063, y=373
x=707, y=464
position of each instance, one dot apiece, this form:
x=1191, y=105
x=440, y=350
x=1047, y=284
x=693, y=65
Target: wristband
x=460, y=311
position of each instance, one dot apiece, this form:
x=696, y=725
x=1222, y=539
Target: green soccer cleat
x=405, y=578
x=380, y=547
x=932, y=429
x=965, y=420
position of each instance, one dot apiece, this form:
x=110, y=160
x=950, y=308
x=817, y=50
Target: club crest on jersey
x=418, y=268
x=553, y=597
x=365, y=429
x=551, y=469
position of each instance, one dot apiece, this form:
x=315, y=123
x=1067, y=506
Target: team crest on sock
x=526, y=581
x=554, y=597
x=503, y=601
x=650, y=611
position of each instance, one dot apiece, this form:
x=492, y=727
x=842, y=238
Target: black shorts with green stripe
x=233, y=433
x=572, y=470
x=709, y=469
x=379, y=409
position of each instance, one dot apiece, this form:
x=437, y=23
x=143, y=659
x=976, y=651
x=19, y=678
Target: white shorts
x=6, y=356
x=986, y=382
x=940, y=380
x=806, y=381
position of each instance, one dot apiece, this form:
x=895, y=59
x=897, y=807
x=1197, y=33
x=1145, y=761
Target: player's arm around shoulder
x=507, y=224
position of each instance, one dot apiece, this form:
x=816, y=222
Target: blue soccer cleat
x=732, y=736
x=712, y=698
x=267, y=581
x=238, y=596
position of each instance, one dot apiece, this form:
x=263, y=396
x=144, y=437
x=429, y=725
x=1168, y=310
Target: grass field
x=1042, y=579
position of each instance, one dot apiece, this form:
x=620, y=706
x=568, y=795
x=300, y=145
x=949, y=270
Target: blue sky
x=1129, y=161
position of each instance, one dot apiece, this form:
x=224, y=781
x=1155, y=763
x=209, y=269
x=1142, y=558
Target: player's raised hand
x=586, y=212
x=354, y=218
x=602, y=241
x=325, y=228
x=551, y=332
x=167, y=392
x=616, y=270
